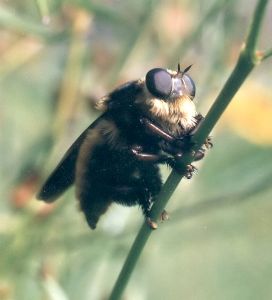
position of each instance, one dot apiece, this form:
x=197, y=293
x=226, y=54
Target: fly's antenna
x=183, y=72
x=186, y=69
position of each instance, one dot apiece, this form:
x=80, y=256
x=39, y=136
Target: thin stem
x=243, y=67
x=247, y=60
x=255, y=27
x=44, y=11
x=143, y=236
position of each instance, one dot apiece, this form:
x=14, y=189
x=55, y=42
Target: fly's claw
x=190, y=170
x=208, y=142
x=164, y=216
x=152, y=224
x=199, y=154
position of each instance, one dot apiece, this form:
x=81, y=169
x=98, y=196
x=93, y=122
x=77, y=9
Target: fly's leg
x=164, y=216
x=176, y=146
x=149, y=157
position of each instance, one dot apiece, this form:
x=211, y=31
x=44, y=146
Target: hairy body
x=116, y=158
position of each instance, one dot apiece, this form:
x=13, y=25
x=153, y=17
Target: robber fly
x=145, y=123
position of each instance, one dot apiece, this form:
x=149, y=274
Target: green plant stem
x=143, y=236
x=247, y=60
x=44, y=10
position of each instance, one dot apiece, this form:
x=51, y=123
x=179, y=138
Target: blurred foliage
x=57, y=58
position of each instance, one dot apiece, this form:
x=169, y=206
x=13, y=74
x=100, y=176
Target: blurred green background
x=56, y=59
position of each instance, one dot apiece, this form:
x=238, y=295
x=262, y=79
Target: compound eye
x=189, y=85
x=159, y=83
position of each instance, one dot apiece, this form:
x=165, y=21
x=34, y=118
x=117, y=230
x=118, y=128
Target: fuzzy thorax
x=178, y=116
x=181, y=111
x=174, y=115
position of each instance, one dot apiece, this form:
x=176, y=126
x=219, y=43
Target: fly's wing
x=64, y=174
